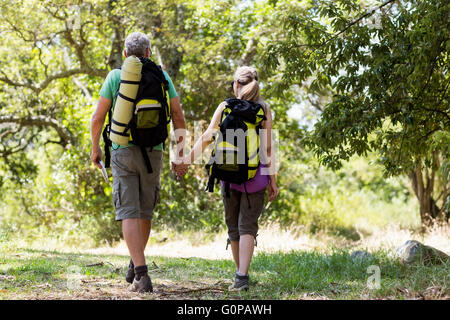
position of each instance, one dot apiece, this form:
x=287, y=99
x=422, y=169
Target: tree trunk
x=118, y=38
x=423, y=186
x=115, y=56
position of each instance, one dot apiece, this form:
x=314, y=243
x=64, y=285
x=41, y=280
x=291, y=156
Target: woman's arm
x=266, y=144
x=207, y=137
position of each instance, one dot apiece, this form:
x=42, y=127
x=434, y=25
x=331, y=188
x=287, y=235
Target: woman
x=241, y=218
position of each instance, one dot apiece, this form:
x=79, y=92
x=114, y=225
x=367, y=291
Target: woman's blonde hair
x=248, y=79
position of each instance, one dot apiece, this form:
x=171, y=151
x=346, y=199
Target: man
x=135, y=191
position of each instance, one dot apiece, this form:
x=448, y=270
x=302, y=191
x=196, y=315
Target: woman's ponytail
x=248, y=80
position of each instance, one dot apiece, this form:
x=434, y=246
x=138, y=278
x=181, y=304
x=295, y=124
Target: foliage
x=387, y=70
x=55, y=55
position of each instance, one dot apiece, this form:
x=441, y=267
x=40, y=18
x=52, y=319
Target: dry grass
x=271, y=238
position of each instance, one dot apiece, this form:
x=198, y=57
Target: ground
x=289, y=266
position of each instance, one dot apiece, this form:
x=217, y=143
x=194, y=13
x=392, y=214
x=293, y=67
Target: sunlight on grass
x=287, y=265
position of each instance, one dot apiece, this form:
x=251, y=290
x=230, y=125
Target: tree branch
x=351, y=24
x=64, y=74
x=42, y=121
x=249, y=53
x=367, y=14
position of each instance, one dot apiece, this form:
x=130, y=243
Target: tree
x=387, y=70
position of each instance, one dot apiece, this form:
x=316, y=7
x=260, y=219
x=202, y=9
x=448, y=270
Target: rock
x=413, y=251
x=360, y=255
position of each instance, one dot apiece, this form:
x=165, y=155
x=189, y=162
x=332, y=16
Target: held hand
x=173, y=167
x=96, y=156
x=180, y=169
x=273, y=190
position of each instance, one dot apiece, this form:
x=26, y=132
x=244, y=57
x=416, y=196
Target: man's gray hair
x=136, y=43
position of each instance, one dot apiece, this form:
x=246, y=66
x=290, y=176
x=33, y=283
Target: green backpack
x=235, y=156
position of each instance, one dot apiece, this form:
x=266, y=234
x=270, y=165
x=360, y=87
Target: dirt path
x=99, y=288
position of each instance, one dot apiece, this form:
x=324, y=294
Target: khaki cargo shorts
x=135, y=191
x=239, y=217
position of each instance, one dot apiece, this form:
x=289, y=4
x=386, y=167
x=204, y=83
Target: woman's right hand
x=272, y=190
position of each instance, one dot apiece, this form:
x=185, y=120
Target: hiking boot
x=130, y=273
x=240, y=283
x=144, y=284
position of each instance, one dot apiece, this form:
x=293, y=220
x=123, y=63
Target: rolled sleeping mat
x=130, y=76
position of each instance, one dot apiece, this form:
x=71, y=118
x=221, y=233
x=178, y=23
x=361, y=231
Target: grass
x=294, y=274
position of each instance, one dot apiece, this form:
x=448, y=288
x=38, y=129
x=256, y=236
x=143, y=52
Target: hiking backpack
x=235, y=156
x=149, y=124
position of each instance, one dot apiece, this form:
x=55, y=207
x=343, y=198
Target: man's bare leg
x=146, y=227
x=135, y=241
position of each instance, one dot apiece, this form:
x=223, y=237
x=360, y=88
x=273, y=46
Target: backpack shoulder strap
x=105, y=134
x=165, y=90
x=107, y=142
x=164, y=80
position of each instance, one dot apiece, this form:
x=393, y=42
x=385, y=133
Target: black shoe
x=130, y=273
x=144, y=284
x=240, y=283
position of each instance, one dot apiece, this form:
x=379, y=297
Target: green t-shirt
x=109, y=89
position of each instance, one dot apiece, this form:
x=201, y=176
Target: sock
x=140, y=271
x=240, y=274
x=131, y=265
